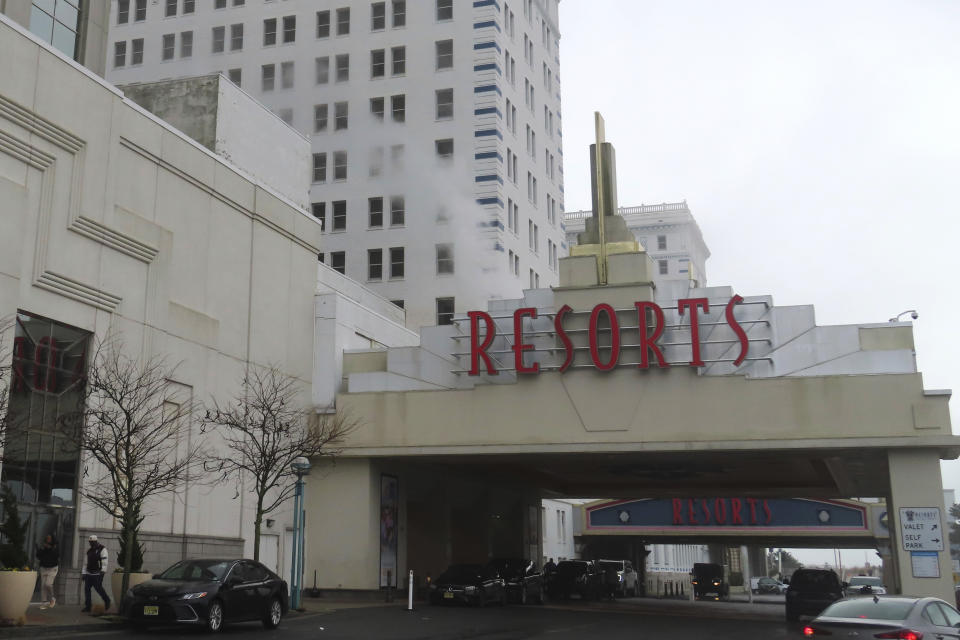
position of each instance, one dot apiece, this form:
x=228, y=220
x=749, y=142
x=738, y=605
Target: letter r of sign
x=478, y=350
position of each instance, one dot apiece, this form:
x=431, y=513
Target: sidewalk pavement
x=69, y=618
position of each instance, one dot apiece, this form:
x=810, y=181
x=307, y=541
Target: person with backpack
x=94, y=568
x=48, y=556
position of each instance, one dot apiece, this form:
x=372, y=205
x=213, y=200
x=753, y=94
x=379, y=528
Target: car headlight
x=469, y=589
x=193, y=596
x=716, y=583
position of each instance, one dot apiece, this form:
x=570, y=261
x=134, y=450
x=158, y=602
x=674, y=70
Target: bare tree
x=264, y=430
x=131, y=421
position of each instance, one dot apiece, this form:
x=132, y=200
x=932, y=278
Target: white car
x=864, y=585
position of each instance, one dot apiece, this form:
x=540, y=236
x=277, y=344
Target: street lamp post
x=301, y=467
x=913, y=314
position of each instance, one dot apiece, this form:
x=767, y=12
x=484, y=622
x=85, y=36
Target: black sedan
x=887, y=617
x=208, y=593
x=579, y=577
x=468, y=584
x=523, y=579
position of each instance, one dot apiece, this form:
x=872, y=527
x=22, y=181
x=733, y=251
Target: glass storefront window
x=40, y=465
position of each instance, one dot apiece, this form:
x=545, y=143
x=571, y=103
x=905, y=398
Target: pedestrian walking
x=48, y=555
x=93, y=570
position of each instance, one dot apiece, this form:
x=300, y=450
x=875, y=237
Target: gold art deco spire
x=606, y=232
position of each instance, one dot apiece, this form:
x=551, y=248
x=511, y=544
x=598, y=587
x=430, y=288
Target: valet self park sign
x=650, y=327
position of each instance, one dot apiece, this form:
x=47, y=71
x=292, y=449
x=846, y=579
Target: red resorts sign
x=483, y=331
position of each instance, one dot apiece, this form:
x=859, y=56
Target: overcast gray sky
x=817, y=144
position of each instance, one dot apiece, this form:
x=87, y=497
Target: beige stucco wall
x=112, y=220
x=643, y=409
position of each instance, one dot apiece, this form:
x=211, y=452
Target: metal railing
x=644, y=208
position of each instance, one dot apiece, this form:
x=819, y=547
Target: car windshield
x=197, y=570
x=814, y=579
x=462, y=573
x=859, y=581
x=708, y=570
x=617, y=565
x=509, y=564
x=872, y=608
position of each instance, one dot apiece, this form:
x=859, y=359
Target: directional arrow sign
x=920, y=529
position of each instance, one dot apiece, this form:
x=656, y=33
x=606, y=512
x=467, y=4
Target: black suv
x=811, y=591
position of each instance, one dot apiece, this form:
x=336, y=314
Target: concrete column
x=915, y=482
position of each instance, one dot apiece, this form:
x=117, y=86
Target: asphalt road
x=611, y=622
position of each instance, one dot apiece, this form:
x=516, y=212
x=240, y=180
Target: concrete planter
x=16, y=588
x=116, y=583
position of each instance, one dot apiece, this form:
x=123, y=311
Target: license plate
x=448, y=595
x=151, y=611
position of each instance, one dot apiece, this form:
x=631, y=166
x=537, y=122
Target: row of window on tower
x=378, y=13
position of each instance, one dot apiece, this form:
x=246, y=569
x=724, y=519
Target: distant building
x=669, y=233
x=556, y=518
x=439, y=185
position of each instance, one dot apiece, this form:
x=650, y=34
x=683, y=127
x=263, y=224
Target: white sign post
x=921, y=529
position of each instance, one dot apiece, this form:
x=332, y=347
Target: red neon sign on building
x=480, y=341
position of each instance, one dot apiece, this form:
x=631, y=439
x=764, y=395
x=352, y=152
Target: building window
x=343, y=67
x=444, y=104
x=397, y=211
x=343, y=21
x=236, y=37
x=378, y=63
x=444, y=259
x=220, y=4
x=323, y=70
x=141, y=11
x=235, y=76
x=396, y=263
x=171, y=9
x=661, y=243
x=319, y=210
x=320, y=114
x=338, y=261
x=137, y=52
x=339, y=165
x=376, y=107
x=444, y=9
x=339, y=215
x=269, y=32
x=340, y=115
x=188, y=6
x=374, y=264
x=375, y=209
x=320, y=257
x=399, y=303
x=323, y=24
x=663, y=267
x=40, y=467
x=378, y=16
x=119, y=54
x=289, y=29
x=268, y=74
x=320, y=167
x=186, y=44
x=444, y=54
x=399, y=13
x=376, y=161
x=219, y=33
x=123, y=11
x=398, y=107
x=445, y=148
x=399, y=56
x=286, y=75
x=239, y=3
x=286, y=114
x=444, y=311
x=396, y=155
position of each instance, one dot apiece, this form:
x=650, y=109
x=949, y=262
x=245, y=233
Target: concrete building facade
x=435, y=126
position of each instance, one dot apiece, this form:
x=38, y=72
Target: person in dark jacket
x=94, y=566
x=48, y=556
